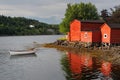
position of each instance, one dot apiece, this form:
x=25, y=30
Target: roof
x=93, y=21
x=90, y=21
x=111, y=25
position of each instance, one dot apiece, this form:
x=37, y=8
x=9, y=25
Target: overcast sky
x=49, y=11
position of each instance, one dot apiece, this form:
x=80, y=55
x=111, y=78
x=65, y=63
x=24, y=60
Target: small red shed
x=110, y=33
x=75, y=30
x=85, y=31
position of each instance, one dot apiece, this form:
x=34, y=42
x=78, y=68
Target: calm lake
x=50, y=64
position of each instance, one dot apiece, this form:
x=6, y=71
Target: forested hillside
x=24, y=26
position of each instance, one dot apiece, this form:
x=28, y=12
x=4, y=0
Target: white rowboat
x=20, y=52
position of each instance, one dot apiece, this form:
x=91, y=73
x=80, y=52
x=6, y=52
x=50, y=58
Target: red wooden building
x=110, y=33
x=75, y=31
x=94, y=32
x=85, y=31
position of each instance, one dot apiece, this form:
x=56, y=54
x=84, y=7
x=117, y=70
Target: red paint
x=90, y=26
x=115, y=36
x=78, y=30
x=96, y=31
x=86, y=36
x=105, y=30
x=90, y=36
x=75, y=30
x=96, y=36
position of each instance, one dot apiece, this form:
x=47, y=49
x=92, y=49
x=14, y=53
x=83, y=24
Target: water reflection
x=106, y=68
x=86, y=67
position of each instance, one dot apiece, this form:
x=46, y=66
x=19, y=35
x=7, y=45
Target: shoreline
x=112, y=54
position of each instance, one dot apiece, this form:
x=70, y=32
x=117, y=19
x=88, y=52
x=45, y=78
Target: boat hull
x=21, y=52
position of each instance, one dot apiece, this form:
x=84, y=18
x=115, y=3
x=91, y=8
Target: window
x=85, y=35
x=105, y=35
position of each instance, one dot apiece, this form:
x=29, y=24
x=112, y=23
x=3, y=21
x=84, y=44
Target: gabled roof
x=90, y=21
x=113, y=25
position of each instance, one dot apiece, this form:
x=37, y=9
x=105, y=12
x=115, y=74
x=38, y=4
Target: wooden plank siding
x=115, y=36
x=91, y=36
x=86, y=36
x=96, y=36
x=87, y=26
x=105, y=33
x=94, y=31
x=75, y=30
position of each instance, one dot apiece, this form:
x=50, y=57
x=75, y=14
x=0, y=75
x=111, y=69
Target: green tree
x=105, y=15
x=81, y=11
x=21, y=26
x=115, y=15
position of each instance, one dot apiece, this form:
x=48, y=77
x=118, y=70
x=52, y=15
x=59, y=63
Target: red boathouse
x=110, y=34
x=94, y=31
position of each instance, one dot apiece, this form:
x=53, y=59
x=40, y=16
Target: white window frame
x=85, y=35
x=105, y=35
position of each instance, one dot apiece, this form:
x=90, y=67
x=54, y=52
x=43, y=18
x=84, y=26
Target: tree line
x=88, y=11
x=24, y=26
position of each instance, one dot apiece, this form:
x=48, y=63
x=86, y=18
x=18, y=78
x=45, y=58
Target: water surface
x=83, y=66
x=44, y=65
x=50, y=64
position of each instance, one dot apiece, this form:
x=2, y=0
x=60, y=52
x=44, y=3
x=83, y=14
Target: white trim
x=85, y=35
x=105, y=35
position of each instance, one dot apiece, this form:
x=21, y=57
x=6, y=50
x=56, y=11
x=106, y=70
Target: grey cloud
x=30, y=2
x=1, y=9
x=49, y=20
x=47, y=10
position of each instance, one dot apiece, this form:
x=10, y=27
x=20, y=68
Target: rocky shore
x=111, y=54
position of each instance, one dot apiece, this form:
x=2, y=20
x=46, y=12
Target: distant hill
x=24, y=26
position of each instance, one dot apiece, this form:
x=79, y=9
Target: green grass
x=62, y=38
